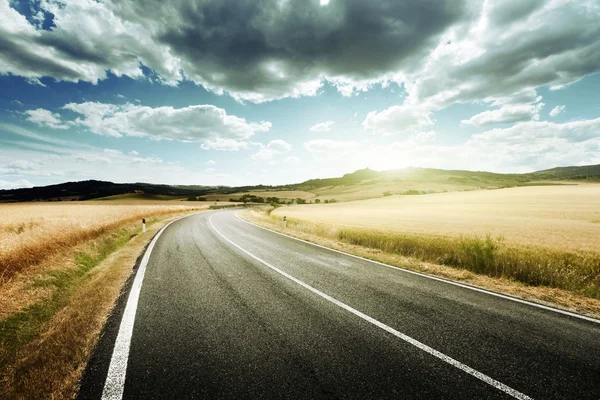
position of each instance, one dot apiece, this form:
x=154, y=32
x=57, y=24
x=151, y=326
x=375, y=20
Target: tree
x=192, y=198
x=317, y=201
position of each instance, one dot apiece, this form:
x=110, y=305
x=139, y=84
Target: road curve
x=228, y=310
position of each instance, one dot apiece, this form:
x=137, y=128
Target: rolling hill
x=364, y=183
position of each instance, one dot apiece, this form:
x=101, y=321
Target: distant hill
x=93, y=189
x=569, y=173
x=363, y=176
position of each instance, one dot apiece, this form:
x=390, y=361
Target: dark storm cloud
x=443, y=51
x=272, y=47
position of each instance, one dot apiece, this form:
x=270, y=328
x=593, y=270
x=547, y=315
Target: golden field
x=563, y=217
x=31, y=232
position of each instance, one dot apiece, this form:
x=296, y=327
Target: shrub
x=386, y=194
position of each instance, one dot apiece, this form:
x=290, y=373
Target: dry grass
x=45, y=347
x=382, y=248
x=32, y=232
x=558, y=217
x=375, y=190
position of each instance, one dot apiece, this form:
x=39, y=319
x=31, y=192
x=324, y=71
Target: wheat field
x=561, y=217
x=31, y=232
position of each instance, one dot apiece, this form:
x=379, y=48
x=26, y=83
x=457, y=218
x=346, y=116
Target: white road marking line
x=115, y=379
x=435, y=278
x=490, y=381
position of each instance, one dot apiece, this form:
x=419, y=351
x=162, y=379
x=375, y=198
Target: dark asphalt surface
x=214, y=323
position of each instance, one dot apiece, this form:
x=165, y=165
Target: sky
x=233, y=92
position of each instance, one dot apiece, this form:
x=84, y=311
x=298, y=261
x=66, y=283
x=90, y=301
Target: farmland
x=560, y=217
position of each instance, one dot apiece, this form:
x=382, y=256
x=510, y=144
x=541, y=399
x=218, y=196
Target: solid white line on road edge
x=490, y=381
x=435, y=278
x=115, y=379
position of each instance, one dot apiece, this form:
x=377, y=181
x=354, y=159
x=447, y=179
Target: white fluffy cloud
x=274, y=147
x=331, y=147
x=322, y=127
x=21, y=183
x=426, y=136
x=398, y=119
x=556, y=110
x=507, y=48
x=507, y=114
x=88, y=40
x=528, y=132
x=46, y=118
x=205, y=123
x=192, y=123
x=292, y=160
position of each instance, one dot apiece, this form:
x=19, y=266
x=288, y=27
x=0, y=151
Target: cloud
x=224, y=144
x=322, y=126
x=398, y=119
x=442, y=52
x=147, y=160
x=113, y=152
x=286, y=48
x=274, y=147
x=211, y=162
x=133, y=153
x=204, y=123
x=291, y=160
x=557, y=110
x=573, y=132
x=507, y=114
x=507, y=48
x=47, y=118
x=331, y=147
x=21, y=183
x=280, y=146
x=426, y=136
x=87, y=39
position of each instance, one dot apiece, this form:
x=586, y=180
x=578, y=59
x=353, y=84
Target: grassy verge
x=55, y=240
x=45, y=346
x=569, y=279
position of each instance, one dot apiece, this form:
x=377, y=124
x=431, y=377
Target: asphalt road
x=228, y=310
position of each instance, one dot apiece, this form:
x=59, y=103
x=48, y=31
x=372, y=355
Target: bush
x=193, y=198
x=386, y=194
x=317, y=201
x=202, y=199
x=300, y=201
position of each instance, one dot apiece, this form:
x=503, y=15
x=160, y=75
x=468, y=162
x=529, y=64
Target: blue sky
x=280, y=91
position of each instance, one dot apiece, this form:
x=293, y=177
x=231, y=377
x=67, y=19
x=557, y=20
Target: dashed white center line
x=479, y=375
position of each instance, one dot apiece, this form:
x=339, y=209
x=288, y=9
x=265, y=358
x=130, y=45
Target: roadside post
x=143, y=224
x=284, y=221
